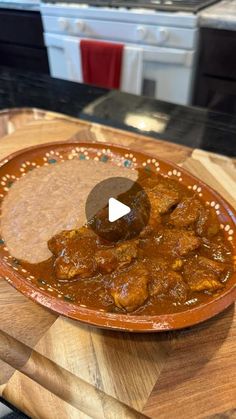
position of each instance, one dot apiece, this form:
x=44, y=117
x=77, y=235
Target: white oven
x=167, y=52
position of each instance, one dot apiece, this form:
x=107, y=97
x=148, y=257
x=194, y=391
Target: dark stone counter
x=194, y=127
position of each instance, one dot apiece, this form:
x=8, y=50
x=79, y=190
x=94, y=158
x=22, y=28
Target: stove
x=160, y=39
x=192, y=6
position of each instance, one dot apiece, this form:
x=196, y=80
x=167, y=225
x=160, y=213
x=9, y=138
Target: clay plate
x=20, y=163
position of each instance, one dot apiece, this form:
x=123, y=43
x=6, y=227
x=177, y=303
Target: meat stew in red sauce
x=179, y=260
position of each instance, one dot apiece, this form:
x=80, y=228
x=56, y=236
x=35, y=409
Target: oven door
x=168, y=74
x=165, y=73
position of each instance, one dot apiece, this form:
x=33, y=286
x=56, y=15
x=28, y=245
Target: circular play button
x=117, y=208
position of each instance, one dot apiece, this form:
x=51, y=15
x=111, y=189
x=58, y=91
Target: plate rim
x=114, y=321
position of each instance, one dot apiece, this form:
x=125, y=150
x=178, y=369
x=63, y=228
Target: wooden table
x=52, y=367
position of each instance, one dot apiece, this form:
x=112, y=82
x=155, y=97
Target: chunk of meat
x=217, y=249
x=108, y=260
x=187, y=212
x=76, y=259
x=191, y=211
x=162, y=197
x=202, y=274
x=177, y=242
x=204, y=281
x=129, y=288
x=78, y=254
x=172, y=243
x=168, y=283
x=207, y=223
x=216, y=267
x=74, y=251
x=149, y=182
x=57, y=243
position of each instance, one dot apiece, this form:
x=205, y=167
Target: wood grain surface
x=54, y=367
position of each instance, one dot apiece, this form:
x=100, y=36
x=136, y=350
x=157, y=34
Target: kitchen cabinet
x=21, y=41
x=215, y=84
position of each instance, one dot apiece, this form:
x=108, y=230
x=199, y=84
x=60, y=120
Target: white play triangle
x=116, y=210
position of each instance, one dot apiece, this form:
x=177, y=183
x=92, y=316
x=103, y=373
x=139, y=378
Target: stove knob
x=141, y=32
x=80, y=25
x=162, y=35
x=63, y=23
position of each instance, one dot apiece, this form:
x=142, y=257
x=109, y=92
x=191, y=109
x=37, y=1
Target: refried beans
x=48, y=200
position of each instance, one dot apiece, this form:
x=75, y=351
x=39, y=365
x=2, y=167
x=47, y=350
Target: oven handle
x=154, y=54
x=169, y=56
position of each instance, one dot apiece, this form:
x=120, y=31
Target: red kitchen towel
x=101, y=63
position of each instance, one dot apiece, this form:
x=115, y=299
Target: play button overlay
x=117, y=209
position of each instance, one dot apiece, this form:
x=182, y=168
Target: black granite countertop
x=191, y=126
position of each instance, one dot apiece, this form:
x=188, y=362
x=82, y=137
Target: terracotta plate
x=20, y=163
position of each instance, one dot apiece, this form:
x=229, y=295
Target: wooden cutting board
x=53, y=367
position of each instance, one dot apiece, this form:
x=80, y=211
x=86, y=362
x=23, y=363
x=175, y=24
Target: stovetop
x=192, y=6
